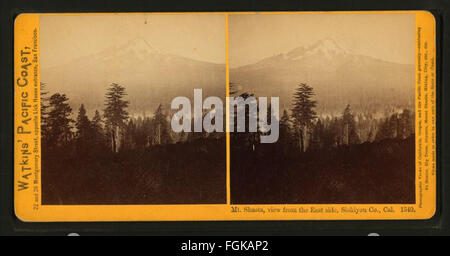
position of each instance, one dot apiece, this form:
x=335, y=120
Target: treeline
x=302, y=129
x=115, y=129
x=353, y=158
x=113, y=158
x=347, y=129
x=148, y=163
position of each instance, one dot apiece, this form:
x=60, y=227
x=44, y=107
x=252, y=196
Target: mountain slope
x=150, y=76
x=337, y=76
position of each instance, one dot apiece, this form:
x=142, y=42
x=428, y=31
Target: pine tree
x=246, y=138
x=161, y=127
x=383, y=130
x=349, y=132
x=303, y=112
x=59, y=123
x=405, y=124
x=335, y=136
x=97, y=129
x=388, y=128
x=83, y=125
x=115, y=114
x=146, y=132
x=317, y=135
x=393, y=125
x=370, y=135
x=129, y=135
x=97, y=122
x=285, y=138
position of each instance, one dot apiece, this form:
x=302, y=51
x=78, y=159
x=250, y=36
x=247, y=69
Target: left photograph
x=107, y=83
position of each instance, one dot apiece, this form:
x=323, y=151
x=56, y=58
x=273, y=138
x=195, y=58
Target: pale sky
x=388, y=37
x=252, y=37
x=67, y=37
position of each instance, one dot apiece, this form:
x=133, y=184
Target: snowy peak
x=150, y=76
x=326, y=47
x=139, y=45
x=326, y=50
x=135, y=49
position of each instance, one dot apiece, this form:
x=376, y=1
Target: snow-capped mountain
x=327, y=47
x=133, y=49
x=338, y=77
x=150, y=76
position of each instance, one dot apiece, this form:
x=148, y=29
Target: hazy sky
x=66, y=37
x=385, y=36
x=252, y=37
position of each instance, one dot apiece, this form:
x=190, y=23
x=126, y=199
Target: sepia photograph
x=321, y=108
x=107, y=83
x=345, y=84
x=220, y=120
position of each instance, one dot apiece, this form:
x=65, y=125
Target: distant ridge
x=150, y=76
x=338, y=77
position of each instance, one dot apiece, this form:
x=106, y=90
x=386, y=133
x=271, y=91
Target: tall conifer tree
x=115, y=114
x=303, y=112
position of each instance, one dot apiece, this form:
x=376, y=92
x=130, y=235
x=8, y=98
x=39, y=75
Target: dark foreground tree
x=406, y=124
x=317, y=136
x=161, y=127
x=83, y=125
x=242, y=135
x=303, y=112
x=115, y=114
x=286, y=137
x=98, y=136
x=349, y=133
x=58, y=123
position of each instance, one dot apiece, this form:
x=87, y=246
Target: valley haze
x=153, y=77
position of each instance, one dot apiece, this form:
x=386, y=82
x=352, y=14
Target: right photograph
x=346, y=90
